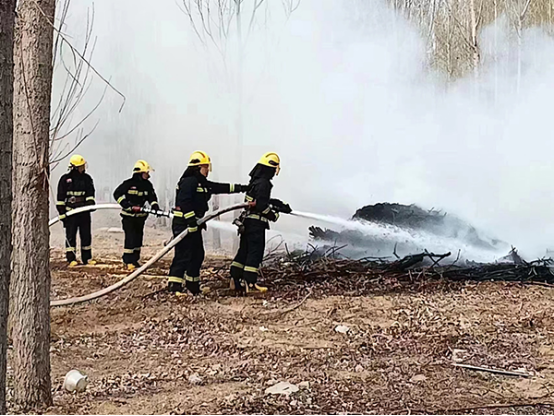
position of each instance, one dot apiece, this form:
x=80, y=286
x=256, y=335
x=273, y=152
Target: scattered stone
x=195, y=379
x=458, y=355
x=418, y=377
x=304, y=385
x=359, y=368
x=342, y=329
x=282, y=387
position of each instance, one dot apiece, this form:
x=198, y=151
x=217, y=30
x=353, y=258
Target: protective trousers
x=72, y=224
x=247, y=262
x=188, y=259
x=134, y=234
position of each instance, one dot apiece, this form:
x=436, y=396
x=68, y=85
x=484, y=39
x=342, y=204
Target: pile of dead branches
x=327, y=268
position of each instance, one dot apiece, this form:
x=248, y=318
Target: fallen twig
x=492, y=370
x=290, y=309
x=489, y=406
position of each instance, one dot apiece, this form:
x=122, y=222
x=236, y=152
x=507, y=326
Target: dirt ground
x=140, y=346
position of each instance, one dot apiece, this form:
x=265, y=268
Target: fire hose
x=105, y=206
x=145, y=266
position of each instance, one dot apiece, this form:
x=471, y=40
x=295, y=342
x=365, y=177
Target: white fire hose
x=145, y=266
x=104, y=206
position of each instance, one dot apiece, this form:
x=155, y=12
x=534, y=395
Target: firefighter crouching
x=75, y=190
x=132, y=195
x=253, y=223
x=191, y=203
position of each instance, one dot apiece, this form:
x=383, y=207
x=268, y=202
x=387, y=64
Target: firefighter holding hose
x=253, y=223
x=191, y=203
x=75, y=190
x=132, y=195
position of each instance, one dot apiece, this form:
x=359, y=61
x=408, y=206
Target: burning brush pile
x=423, y=227
x=337, y=265
x=328, y=271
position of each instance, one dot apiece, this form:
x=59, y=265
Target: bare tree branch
x=64, y=39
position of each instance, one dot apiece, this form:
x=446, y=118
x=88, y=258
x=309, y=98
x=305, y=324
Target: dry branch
x=492, y=370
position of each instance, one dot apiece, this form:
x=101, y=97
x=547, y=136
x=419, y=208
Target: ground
x=140, y=346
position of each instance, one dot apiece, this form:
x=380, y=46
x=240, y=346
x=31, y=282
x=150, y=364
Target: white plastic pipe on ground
x=145, y=266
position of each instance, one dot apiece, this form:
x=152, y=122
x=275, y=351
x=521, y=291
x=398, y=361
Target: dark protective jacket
x=135, y=192
x=193, y=194
x=259, y=190
x=75, y=190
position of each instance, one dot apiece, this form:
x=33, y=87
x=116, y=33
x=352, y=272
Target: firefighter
x=253, y=222
x=191, y=203
x=132, y=195
x=75, y=190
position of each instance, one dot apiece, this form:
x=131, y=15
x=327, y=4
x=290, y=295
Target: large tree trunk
x=7, y=20
x=31, y=272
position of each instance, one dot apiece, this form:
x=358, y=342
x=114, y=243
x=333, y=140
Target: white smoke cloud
x=343, y=93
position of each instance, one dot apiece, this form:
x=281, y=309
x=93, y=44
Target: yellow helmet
x=76, y=161
x=272, y=160
x=142, y=166
x=199, y=158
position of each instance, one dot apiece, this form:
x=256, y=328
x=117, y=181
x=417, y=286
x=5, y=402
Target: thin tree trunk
x=474, y=41
x=216, y=235
x=519, y=42
x=495, y=53
x=31, y=272
x=7, y=21
x=240, y=102
x=521, y=16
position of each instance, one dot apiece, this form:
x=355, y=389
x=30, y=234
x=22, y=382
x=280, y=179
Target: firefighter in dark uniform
x=76, y=190
x=253, y=223
x=132, y=195
x=191, y=203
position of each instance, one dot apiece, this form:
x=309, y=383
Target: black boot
x=193, y=287
x=239, y=286
x=174, y=287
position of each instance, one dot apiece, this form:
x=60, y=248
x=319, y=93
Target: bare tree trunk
x=519, y=44
x=31, y=273
x=474, y=40
x=7, y=21
x=520, y=18
x=216, y=235
x=240, y=102
x=495, y=52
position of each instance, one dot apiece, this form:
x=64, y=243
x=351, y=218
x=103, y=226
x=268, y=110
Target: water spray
x=395, y=234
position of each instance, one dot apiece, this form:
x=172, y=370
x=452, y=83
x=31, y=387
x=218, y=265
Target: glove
x=203, y=227
x=63, y=219
x=136, y=209
x=242, y=188
x=280, y=206
x=192, y=225
x=285, y=209
x=252, y=204
x=274, y=217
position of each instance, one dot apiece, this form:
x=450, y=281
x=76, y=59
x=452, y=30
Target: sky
x=342, y=91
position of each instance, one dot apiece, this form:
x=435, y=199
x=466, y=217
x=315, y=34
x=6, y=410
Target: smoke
x=343, y=92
